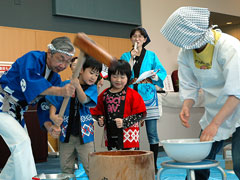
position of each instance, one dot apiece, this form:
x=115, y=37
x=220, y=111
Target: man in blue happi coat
x=31, y=76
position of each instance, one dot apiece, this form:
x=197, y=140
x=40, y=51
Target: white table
x=169, y=125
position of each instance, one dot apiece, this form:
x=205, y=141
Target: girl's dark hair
x=141, y=30
x=122, y=67
x=90, y=62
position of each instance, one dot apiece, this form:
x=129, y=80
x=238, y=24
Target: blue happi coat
x=25, y=81
x=87, y=130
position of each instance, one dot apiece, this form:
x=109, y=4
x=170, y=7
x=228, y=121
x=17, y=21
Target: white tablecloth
x=171, y=99
x=169, y=125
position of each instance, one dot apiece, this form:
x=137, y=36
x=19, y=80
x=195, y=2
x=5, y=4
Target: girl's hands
x=119, y=122
x=101, y=121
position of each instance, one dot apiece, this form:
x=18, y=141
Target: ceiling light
x=229, y=23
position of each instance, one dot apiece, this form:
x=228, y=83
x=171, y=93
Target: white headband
x=188, y=28
x=52, y=48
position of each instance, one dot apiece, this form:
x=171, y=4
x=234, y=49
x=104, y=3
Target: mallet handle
x=87, y=46
x=80, y=62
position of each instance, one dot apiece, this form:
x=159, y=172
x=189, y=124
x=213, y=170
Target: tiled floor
x=52, y=167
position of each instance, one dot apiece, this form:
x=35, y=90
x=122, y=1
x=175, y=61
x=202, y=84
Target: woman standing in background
x=142, y=60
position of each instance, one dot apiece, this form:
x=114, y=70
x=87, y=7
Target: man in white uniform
x=210, y=60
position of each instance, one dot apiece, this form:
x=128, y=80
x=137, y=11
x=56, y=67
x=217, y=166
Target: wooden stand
x=127, y=165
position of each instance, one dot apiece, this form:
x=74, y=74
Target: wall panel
x=101, y=41
x=117, y=46
x=104, y=10
x=233, y=30
x=15, y=42
x=33, y=14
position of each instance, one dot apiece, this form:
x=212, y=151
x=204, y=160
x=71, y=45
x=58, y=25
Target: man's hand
x=228, y=109
x=184, y=116
x=68, y=90
x=209, y=132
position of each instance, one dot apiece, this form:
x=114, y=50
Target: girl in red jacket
x=119, y=109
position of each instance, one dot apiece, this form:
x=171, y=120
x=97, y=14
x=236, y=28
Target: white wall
x=156, y=12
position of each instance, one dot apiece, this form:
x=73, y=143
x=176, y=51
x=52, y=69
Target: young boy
x=77, y=133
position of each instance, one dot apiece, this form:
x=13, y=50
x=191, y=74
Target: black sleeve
x=130, y=120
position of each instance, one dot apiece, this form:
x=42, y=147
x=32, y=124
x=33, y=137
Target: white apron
x=222, y=80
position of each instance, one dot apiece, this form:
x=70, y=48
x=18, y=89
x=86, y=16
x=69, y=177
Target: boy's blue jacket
x=87, y=130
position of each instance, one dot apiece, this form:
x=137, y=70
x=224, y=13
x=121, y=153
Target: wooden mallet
x=87, y=46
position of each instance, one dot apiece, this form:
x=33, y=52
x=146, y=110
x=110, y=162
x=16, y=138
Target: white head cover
x=188, y=28
x=52, y=48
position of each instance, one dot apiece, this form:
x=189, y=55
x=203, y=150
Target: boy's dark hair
x=122, y=67
x=90, y=62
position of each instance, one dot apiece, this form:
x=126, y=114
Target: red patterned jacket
x=134, y=104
